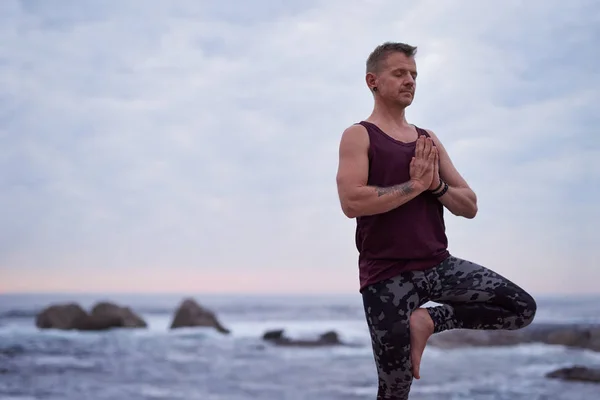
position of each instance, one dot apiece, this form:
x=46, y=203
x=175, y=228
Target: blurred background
x=155, y=151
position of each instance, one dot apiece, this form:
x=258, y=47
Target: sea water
x=199, y=363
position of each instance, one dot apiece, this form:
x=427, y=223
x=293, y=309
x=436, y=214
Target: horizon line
x=239, y=293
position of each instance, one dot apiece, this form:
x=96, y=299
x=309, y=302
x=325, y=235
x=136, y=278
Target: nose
x=409, y=81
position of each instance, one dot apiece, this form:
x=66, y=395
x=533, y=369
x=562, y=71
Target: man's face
x=396, y=80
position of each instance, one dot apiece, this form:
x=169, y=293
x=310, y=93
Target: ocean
x=201, y=364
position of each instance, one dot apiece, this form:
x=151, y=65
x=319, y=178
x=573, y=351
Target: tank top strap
x=365, y=124
x=371, y=130
x=421, y=131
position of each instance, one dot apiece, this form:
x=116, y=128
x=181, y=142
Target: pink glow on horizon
x=282, y=280
x=181, y=280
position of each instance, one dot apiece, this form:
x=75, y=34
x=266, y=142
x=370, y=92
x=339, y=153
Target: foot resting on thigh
x=421, y=328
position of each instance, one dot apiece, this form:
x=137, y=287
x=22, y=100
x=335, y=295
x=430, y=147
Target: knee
x=527, y=308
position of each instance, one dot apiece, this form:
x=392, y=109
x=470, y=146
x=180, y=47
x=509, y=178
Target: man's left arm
x=459, y=198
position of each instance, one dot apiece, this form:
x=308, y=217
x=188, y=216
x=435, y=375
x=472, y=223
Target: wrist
x=418, y=185
x=442, y=190
x=437, y=185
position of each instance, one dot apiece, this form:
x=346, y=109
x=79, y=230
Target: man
x=396, y=179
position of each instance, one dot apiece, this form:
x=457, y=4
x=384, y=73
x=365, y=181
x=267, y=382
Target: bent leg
x=388, y=306
x=475, y=297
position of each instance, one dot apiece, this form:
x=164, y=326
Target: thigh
x=388, y=306
x=460, y=281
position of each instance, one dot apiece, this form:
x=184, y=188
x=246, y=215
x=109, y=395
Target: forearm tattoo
x=405, y=188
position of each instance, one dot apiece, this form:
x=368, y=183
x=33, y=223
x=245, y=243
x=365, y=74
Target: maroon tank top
x=409, y=237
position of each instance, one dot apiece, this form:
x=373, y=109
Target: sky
x=153, y=146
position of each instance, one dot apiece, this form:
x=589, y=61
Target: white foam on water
x=155, y=392
x=158, y=322
x=368, y=390
x=346, y=329
x=63, y=361
x=17, y=329
x=592, y=357
x=19, y=398
x=538, y=369
x=524, y=349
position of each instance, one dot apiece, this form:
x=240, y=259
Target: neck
x=390, y=113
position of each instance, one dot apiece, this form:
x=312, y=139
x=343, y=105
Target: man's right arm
x=356, y=197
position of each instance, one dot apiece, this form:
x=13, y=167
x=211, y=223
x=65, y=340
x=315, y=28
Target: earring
x=375, y=88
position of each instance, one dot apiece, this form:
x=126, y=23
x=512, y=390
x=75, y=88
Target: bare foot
x=421, y=328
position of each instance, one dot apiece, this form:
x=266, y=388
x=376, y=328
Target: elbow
x=471, y=212
x=350, y=209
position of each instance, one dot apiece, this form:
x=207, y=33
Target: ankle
x=430, y=322
x=424, y=319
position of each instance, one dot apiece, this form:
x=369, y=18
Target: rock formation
x=60, y=316
x=128, y=318
x=577, y=336
x=576, y=373
x=191, y=314
x=278, y=338
x=71, y=316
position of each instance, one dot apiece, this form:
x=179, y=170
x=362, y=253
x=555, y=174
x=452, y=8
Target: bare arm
x=356, y=197
x=460, y=199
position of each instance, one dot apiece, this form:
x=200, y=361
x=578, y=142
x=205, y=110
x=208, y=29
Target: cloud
x=173, y=136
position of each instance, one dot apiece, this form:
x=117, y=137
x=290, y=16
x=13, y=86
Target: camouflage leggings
x=471, y=297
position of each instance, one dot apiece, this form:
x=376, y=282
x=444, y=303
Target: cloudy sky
x=189, y=145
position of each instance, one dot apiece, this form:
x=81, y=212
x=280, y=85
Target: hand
x=435, y=182
x=422, y=164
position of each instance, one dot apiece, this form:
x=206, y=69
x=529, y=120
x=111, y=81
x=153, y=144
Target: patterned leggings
x=472, y=297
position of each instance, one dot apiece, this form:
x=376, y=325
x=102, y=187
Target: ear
x=371, y=80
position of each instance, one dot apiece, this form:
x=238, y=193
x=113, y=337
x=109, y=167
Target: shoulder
x=356, y=134
x=355, y=129
x=431, y=134
x=354, y=142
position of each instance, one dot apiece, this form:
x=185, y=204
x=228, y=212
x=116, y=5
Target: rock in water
x=71, y=316
x=277, y=337
x=273, y=335
x=60, y=316
x=576, y=373
x=192, y=314
x=128, y=318
x=330, y=337
x=97, y=323
x=577, y=336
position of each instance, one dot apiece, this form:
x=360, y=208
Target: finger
x=432, y=152
x=412, y=164
x=419, y=147
x=428, y=146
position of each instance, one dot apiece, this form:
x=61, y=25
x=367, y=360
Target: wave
x=19, y=314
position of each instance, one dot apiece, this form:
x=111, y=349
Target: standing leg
x=475, y=297
x=388, y=307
